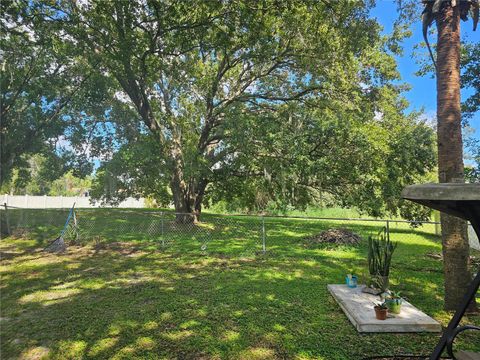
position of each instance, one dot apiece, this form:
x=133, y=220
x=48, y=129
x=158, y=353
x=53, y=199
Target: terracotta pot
x=380, y=314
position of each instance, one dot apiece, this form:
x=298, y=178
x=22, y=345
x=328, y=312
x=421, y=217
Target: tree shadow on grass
x=138, y=302
x=109, y=303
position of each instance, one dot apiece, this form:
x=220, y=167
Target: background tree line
x=196, y=101
x=193, y=102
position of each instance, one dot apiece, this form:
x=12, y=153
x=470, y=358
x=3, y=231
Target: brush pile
x=335, y=236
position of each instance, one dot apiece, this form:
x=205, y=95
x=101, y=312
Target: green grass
x=333, y=212
x=131, y=297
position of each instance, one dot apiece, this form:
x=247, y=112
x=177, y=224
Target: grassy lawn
x=134, y=296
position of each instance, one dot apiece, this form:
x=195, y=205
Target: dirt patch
x=335, y=236
x=20, y=233
x=123, y=248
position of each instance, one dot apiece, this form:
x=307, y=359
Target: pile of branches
x=335, y=236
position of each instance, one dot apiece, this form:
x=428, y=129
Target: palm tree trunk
x=450, y=152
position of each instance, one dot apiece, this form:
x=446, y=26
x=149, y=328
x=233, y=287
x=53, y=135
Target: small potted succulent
x=394, y=302
x=381, y=310
x=351, y=280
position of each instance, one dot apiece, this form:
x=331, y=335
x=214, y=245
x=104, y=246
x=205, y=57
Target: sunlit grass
x=132, y=298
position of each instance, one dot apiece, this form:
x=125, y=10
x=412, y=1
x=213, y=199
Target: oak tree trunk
x=183, y=211
x=450, y=152
x=187, y=194
x=187, y=200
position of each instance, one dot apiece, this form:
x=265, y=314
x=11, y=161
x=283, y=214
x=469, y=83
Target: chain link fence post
x=162, y=232
x=264, y=245
x=388, y=229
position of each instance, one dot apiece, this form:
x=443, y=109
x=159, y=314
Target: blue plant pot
x=351, y=281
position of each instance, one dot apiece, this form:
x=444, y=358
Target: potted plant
x=381, y=311
x=351, y=280
x=380, y=252
x=394, y=302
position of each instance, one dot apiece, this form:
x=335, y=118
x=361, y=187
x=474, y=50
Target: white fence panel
x=45, y=202
x=472, y=238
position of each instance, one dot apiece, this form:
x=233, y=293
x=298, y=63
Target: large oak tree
x=194, y=71
x=230, y=100
x=188, y=68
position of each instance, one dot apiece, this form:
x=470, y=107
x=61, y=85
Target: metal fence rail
x=243, y=235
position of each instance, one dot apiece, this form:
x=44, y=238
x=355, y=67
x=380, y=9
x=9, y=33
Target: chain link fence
x=222, y=234
x=214, y=234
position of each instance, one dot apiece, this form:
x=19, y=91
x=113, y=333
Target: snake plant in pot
x=380, y=252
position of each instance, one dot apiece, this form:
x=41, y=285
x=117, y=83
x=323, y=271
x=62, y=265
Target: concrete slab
x=358, y=307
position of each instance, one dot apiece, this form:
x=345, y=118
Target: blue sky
x=422, y=93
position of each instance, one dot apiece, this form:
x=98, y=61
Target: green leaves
x=470, y=64
x=380, y=252
x=46, y=89
x=286, y=103
x=432, y=8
